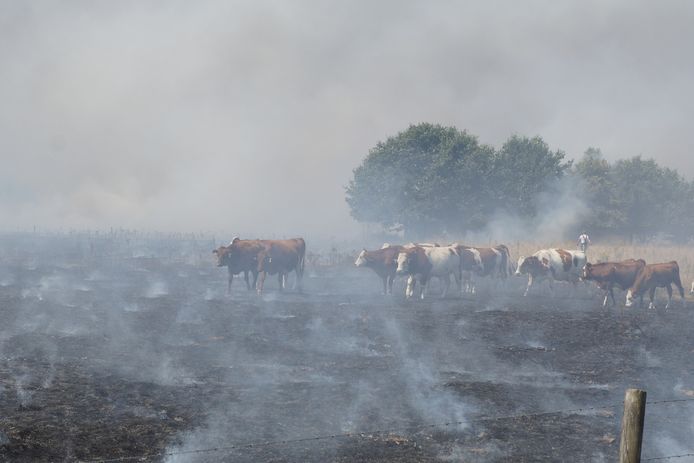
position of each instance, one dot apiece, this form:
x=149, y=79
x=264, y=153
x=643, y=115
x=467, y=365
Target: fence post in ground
x=632, y=426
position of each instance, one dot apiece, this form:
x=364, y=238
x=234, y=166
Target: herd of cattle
x=419, y=262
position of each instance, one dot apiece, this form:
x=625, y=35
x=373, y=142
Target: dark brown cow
x=656, y=276
x=382, y=261
x=281, y=257
x=607, y=275
x=240, y=256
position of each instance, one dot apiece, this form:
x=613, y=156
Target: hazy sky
x=250, y=116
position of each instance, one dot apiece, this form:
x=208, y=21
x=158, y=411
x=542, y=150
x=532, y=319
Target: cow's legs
x=245, y=278
x=231, y=278
x=409, y=288
x=446, y=285
x=530, y=284
x=459, y=281
x=385, y=284
x=651, y=294
x=391, y=278
x=261, y=282
x=280, y=280
x=423, y=286
x=614, y=302
x=669, y=296
x=255, y=279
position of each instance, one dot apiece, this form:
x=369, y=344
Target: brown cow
x=607, y=275
x=240, y=256
x=281, y=257
x=382, y=261
x=656, y=276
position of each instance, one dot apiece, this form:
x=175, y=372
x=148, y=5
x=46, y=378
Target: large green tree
x=428, y=178
x=432, y=179
x=652, y=198
x=525, y=168
x=599, y=192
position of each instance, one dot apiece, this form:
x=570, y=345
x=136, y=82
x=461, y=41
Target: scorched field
x=115, y=349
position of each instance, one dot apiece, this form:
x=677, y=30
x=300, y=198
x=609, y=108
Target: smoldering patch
x=156, y=289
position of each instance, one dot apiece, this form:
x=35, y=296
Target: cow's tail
x=677, y=280
x=302, y=261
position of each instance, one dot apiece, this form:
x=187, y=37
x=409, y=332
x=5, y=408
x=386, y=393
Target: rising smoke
x=249, y=117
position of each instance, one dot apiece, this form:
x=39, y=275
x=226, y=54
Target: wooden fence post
x=632, y=426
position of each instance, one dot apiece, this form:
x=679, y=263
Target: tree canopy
x=636, y=197
x=431, y=179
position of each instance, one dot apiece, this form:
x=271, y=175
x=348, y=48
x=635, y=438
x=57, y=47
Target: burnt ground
x=110, y=358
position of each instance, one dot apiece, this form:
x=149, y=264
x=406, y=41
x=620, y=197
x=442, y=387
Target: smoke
x=250, y=116
x=561, y=209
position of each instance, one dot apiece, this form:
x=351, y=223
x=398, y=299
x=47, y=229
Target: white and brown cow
x=550, y=265
x=422, y=263
x=656, y=276
x=494, y=263
x=470, y=264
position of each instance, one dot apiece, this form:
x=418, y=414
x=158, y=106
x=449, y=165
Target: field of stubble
x=123, y=351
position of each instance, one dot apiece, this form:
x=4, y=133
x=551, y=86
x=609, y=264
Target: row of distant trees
x=430, y=178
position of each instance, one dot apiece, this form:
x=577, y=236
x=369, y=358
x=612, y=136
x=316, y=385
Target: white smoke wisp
x=431, y=402
x=561, y=210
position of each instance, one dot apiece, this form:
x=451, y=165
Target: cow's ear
x=545, y=262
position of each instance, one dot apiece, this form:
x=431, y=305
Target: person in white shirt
x=583, y=241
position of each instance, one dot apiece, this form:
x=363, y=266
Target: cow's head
x=521, y=261
x=404, y=261
x=587, y=272
x=361, y=259
x=532, y=265
x=222, y=255
x=479, y=265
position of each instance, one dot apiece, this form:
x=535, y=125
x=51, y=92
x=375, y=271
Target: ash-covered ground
x=115, y=347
